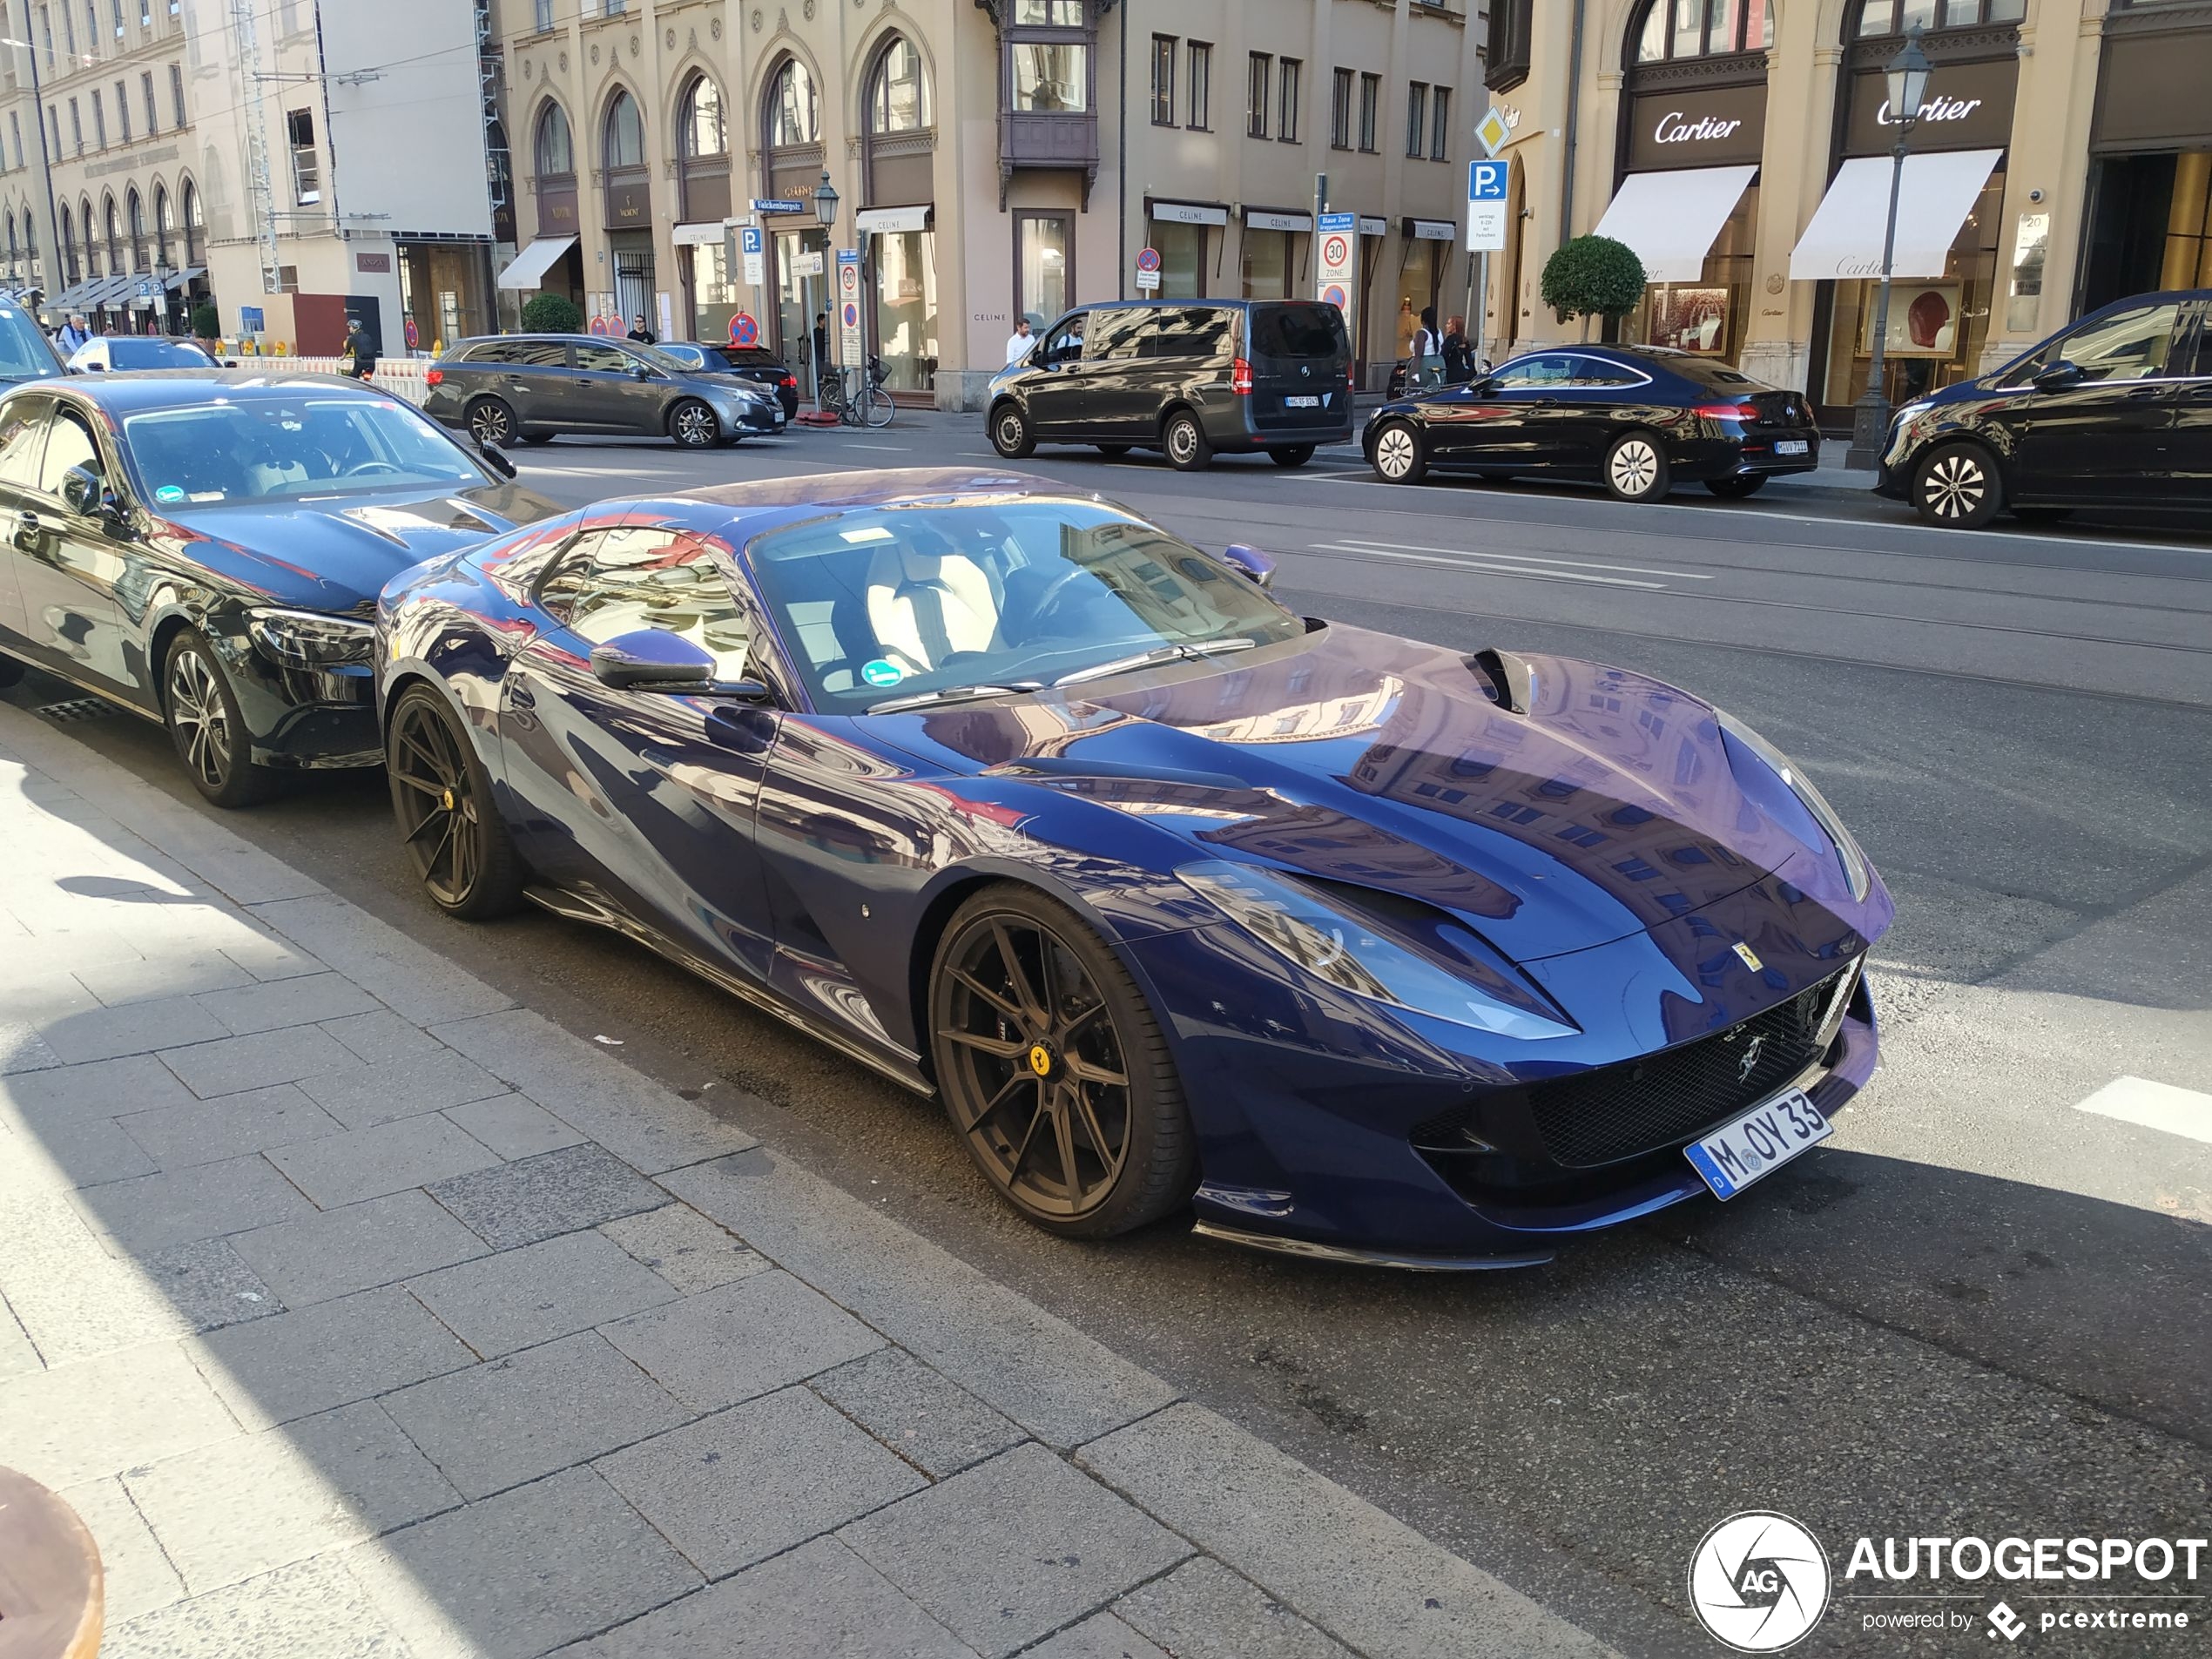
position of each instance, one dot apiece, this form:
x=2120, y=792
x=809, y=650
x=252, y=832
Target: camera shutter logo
x=1759, y=1581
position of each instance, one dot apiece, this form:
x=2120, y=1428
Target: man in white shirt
x=1017, y=345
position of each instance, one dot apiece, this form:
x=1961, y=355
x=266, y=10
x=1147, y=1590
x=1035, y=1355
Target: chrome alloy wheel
x=695, y=426
x=200, y=717
x=1955, y=486
x=1633, y=467
x=1396, y=451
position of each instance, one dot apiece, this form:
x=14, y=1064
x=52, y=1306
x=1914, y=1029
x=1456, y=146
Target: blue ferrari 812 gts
x=1354, y=945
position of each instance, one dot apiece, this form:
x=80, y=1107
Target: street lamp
x=1907, y=74
x=824, y=210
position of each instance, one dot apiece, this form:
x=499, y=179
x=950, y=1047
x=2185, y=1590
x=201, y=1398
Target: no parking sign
x=848, y=306
x=1336, y=262
x=743, y=331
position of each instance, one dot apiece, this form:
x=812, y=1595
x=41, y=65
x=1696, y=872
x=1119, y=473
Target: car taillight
x=790, y=379
x=1727, y=411
x=436, y=377
x=1240, y=377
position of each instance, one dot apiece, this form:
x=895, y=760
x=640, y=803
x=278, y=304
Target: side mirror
x=85, y=490
x=1259, y=566
x=2059, y=376
x=496, y=459
x=641, y=371
x=653, y=659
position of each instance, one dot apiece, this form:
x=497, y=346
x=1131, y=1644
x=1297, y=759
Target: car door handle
x=521, y=696
x=27, y=527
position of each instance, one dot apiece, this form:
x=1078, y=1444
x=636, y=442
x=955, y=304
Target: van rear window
x=1301, y=333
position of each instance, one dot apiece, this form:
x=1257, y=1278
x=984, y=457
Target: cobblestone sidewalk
x=360, y=1312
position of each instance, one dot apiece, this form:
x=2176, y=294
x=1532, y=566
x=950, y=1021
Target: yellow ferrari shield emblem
x=1040, y=1060
x=445, y=800
x=1749, y=957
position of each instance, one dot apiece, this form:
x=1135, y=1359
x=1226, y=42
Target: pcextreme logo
x=1758, y=1582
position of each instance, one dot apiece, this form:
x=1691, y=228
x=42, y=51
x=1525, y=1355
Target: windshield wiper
x=952, y=694
x=1161, y=654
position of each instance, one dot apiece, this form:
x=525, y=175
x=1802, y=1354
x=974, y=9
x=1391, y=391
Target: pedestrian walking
x=822, y=348
x=642, y=335
x=72, y=334
x=1427, y=342
x=359, y=357
x=1018, y=343
x=1458, y=355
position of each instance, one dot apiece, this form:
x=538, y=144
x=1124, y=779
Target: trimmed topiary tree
x=1593, y=276
x=207, y=321
x=551, y=313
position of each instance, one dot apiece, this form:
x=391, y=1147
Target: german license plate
x=1301, y=402
x=1763, y=1139
x=1790, y=447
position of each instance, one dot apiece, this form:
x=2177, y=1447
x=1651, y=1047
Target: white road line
x=2161, y=1106
x=1475, y=567
x=888, y=449
x=1524, y=558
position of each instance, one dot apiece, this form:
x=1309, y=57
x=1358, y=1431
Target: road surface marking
x=1476, y=566
x=1523, y=558
x=888, y=449
x=2161, y=1106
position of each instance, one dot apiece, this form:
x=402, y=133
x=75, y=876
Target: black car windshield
x=24, y=354
x=883, y=604
x=226, y=451
x=124, y=352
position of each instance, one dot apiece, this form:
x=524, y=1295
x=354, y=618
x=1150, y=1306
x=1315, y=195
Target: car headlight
x=1350, y=952
x=1911, y=411
x=311, y=638
x=1859, y=875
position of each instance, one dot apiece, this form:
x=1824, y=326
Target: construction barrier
x=405, y=377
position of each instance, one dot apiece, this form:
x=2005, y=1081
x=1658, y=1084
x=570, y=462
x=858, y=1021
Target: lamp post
x=1908, y=76
x=826, y=211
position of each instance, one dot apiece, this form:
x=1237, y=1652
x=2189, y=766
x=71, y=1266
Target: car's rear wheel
x=1010, y=433
x=1188, y=446
x=491, y=421
x=1636, y=467
x=1735, y=488
x=207, y=726
x=1957, y=487
x=1053, y=1069
x=1295, y=455
x=693, y=425
x=442, y=796
x=1400, y=456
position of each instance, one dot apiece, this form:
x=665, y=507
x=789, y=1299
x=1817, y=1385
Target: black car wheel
x=693, y=425
x=1189, y=448
x=463, y=852
x=1010, y=433
x=1957, y=487
x=490, y=421
x=1053, y=1069
x=1114, y=451
x=1296, y=455
x=1636, y=467
x=1735, y=488
x=1400, y=456
x=204, y=723
x=535, y=436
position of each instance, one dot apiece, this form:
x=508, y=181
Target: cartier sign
x=1695, y=126
x=1968, y=106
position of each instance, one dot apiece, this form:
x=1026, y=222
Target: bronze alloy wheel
x=453, y=832
x=1054, y=1071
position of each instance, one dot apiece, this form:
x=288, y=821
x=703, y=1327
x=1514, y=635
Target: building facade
x=2062, y=158
x=991, y=158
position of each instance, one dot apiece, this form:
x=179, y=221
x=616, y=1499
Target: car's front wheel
x=1399, y=457
x=1010, y=433
x=1636, y=467
x=491, y=421
x=204, y=722
x=442, y=796
x=693, y=425
x=1053, y=1069
x=1957, y=487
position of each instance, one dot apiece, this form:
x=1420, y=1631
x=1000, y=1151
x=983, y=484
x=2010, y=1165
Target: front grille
x=1617, y=1111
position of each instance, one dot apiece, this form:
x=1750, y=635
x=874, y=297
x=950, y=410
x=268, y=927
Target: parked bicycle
x=865, y=404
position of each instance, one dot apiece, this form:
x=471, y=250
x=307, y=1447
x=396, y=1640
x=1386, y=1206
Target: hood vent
x=1513, y=680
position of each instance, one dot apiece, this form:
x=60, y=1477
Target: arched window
x=701, y=131
x=11, y=236
x=793, y=117
x=195, y=225
x=164, y=223
x=622, y=144
x=30, y=235
x=552, y=153
x=1675, y=30
x=69, y=247
x=114, y=221
x=1877, y=17
x=134, y=214
x=92, y=236
x=898, y=96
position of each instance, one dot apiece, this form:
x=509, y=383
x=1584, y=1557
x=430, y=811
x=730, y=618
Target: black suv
x=533, y=387
x=1191, y=377
x=755, y=363
x=2115, y=411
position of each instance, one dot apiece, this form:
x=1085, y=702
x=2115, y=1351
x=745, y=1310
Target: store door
x=801, y=262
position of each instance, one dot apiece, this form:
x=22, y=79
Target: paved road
x=1980, y=1310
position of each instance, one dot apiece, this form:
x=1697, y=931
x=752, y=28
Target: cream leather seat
x=924, y=605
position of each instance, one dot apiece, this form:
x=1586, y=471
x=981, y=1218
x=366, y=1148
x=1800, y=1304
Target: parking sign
x=1488, y=187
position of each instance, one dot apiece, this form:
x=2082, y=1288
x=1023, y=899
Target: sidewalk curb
x=1314, y=1546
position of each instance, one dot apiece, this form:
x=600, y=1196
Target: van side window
x=1118, y=336
x=1194, y=331
x=496, y=351
x=1064, y=342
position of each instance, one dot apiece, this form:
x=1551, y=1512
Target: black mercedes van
x=1195, y=378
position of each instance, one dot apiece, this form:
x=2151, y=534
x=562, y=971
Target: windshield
x=883, y=604
x=24, y=354
x=124, y=352
x=223, y=452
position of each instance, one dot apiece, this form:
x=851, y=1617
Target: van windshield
x=1302, y=334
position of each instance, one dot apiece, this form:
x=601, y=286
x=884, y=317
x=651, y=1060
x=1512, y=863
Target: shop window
x=1163, y=80
x=1674, y=30
x=1286, y=121
x=1259, y=72
x=1266, y=264
x=1182, y=249
x=1042, y=245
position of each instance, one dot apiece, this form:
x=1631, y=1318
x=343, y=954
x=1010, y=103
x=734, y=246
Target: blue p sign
x=1486, y=180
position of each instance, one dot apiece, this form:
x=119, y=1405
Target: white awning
x=1435, y=229
x=527, y=268
x=1266, y=218
x=1934, y=198
x=878, y=221
x=1187, y=213
x=705, y=233
x=1374, y=226
x=1671, y=218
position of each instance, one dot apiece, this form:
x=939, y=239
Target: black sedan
x=755, y=363
x=206, y=546
x=1639, y=419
